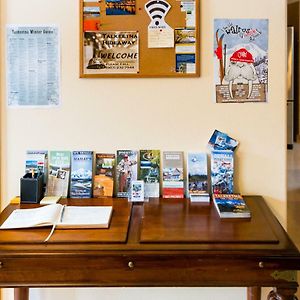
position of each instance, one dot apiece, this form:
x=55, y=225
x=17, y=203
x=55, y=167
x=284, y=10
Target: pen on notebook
x=54, y=225
x=62, y=214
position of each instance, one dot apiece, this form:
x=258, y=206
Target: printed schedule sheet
x=33, y=65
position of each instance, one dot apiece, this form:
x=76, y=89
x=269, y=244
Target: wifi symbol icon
x=157, y=10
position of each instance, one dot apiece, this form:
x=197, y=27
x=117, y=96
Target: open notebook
x=60, y=216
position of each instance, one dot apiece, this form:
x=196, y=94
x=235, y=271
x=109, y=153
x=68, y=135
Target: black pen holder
x=32, y=188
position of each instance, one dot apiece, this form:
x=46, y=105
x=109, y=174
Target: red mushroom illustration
x=241, y=70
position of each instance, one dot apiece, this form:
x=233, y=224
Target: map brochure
x=173, y=185
x=59, y=173
x=104, y=175
x=150, y=171
x=37, y=162
x=222, y=170
x=126, y=169
x=81, y=174
x=197, y=180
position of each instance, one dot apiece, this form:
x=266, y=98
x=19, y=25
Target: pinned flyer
x=160, y=34
x=189, y=7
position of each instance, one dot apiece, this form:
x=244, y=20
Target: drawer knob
x=130, y=265
x=1, y=264
x=261, y=264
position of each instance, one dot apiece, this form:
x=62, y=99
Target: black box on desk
x=32, y=188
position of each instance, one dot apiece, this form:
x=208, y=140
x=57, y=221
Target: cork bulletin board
x=139, y=38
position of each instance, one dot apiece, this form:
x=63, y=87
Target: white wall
x=168, y=114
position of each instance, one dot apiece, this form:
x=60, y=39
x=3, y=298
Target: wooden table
x=163, y=242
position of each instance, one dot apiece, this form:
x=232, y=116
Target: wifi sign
x=157, y=10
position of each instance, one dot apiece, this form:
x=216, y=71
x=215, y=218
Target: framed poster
x=139, y=38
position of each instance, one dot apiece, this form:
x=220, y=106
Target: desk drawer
x=136, y=270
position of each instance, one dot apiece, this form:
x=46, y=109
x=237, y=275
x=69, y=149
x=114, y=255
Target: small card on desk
x=15, y=200
x=50, y=199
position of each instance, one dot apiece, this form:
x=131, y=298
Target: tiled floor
x=293, y=202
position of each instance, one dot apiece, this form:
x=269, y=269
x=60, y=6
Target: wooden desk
x=160, y=243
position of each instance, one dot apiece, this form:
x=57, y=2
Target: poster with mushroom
x=241, y=60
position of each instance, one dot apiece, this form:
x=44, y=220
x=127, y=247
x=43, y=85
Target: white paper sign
x=160, y=34
x=33, y=65
x=160, y=38
x=189, y=8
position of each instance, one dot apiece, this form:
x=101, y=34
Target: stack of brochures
x=231, y=206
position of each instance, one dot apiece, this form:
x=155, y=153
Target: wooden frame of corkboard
x=180, y=60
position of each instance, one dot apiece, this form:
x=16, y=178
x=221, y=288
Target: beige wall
x=168, y=114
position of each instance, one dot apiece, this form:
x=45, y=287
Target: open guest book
x=59, y=216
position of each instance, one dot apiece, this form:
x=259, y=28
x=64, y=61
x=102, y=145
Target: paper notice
x=33, y=65
x=189, y=8
x=191, y=19
x=160, y=38
x=160, y=34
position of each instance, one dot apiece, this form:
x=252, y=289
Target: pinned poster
x=119, y=7
x=241, y=60
x=160, y=34
x=111, y=52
